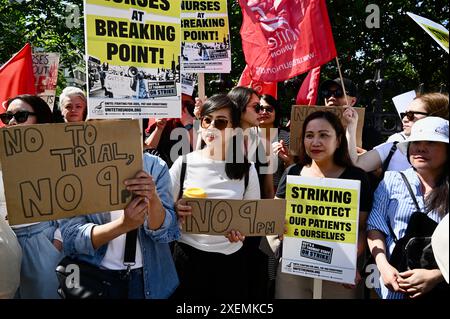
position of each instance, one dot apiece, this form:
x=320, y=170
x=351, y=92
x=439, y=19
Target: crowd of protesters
x=172, y=264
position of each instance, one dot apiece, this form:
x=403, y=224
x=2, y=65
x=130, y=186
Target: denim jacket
x=160, y=277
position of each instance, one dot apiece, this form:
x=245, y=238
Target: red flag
x=284, y=38
x=259, y=86
x=307, y=95
x=16, y=76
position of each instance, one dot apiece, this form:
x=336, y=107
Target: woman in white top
x=211, y=266
x=430, y=104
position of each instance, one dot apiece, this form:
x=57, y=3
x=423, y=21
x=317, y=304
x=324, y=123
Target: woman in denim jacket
x=99, y=239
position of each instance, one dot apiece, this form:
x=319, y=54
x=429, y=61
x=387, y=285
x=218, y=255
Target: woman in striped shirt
x=426, y=149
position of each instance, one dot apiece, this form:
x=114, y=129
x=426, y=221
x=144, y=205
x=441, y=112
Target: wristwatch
x=188, y=126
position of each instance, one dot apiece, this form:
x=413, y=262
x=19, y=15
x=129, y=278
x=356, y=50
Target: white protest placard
x=133, y=52
x=188, y=81
x=45, y=69
x=205, y=46
x=322, y=221
x=401, y=101
x=435, y=30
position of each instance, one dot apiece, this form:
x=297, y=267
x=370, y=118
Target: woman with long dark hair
x=211, y=266
x=324, y=153
x=40, y=242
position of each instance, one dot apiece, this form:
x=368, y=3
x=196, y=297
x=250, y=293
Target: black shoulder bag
x=92, y=282
x=413, y=250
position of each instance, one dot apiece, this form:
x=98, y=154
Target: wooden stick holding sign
x=53, y=171
x=300, y=112
x=251, y=217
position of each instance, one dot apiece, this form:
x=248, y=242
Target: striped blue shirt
x=393, y=204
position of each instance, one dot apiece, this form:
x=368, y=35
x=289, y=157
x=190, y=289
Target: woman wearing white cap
x=426, y=149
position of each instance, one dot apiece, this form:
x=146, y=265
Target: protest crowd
x=382, y=211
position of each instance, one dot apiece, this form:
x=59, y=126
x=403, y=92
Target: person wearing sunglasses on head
x=41, y=242
x=430, y=104
x=213, y=266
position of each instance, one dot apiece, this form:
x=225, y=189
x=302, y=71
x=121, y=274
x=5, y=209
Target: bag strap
x=411, y=193
x=182, y=175
x=408, y=185
x=246, y=181
x=129, y=258
x=388, y=158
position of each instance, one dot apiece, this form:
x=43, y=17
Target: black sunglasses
x=268, y=109
x=20, y=116
x=410, y=115
x=327, y=93
x=219, y=124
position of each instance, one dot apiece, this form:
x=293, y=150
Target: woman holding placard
x=211, y=266
x=324, y=153
x=41, y=242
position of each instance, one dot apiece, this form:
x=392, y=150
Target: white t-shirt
x=115, y=252
x=210, y=175
x=398, y=161
x=397, y=137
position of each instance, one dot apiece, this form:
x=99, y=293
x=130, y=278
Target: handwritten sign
x=300, y=112
x=322, y=228
x=45, y=69
x=250, y=217
x=53, y=171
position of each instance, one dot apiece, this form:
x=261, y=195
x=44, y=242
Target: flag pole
x=342, y=80
x=317, y=289
x=201, y=95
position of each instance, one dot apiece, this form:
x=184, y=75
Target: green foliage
x=44, y=24
x=410, y=56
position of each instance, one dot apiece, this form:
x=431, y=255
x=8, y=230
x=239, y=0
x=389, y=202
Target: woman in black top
x=324, y=153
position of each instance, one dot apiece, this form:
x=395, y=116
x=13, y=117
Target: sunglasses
x=268, y=109
x=337, y=93
x=20, y=116
x=410, y=115
x=219, y=124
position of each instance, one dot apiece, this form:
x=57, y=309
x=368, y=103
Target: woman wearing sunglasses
x=41, y=242
x=431, y=104
x=212, y=266
x=396, y=209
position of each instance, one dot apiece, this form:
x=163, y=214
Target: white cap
x=439, y=244
x=430, y=128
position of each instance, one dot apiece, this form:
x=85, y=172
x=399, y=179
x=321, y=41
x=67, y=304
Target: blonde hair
x=71, y=91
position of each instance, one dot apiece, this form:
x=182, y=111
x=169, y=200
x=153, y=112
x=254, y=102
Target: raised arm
x=368, y=161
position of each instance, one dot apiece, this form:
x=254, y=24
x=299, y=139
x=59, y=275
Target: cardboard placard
x=300, y=112
x=250, y=217
x=53, y=171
